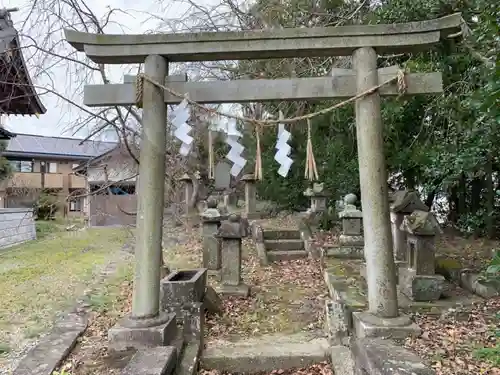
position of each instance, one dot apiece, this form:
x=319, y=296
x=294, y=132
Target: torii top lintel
x=281, y=43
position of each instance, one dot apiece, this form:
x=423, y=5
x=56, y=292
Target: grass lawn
x=42, y=278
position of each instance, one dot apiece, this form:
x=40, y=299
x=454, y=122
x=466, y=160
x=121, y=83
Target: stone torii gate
x=362, y=42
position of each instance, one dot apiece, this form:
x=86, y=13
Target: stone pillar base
x=241, y=290
x=142, y=333
x=346, y=252
x=369, y=325
x=350, y=240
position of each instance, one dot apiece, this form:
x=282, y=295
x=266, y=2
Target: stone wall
x=17, y=225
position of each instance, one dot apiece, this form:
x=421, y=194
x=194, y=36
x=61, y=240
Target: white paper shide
x=234, y=154
x=283, y=149
x=179, y=117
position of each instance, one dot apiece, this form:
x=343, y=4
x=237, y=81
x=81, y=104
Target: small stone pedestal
x=143, y=333
x=211, y=218
x=250, y=196
x=418, y=280
x=352, y=219
x=402, y=203
x=231, y=233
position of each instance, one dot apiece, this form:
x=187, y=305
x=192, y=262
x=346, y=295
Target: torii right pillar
x=382, y=317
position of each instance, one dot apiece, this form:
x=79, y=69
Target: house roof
x=17, y=94
x=28, y=145
x=118, y=151
x=5, y=134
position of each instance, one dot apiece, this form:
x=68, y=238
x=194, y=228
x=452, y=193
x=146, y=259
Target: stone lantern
x=352, y=220
x=402, y=203
x=418, y=280
x=318, y=196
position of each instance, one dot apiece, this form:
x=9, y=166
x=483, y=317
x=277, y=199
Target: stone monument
x=211, y=218
x=188, y=193
x=222, y=176
x=418, y=280
x=250, y=196
x=231, y=232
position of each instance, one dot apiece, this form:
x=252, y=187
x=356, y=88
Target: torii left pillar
x=146, y=326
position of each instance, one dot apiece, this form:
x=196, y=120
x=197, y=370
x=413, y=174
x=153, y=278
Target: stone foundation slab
x=369, y=325
x=152, y=361
x=124, y=336
x=241, y=290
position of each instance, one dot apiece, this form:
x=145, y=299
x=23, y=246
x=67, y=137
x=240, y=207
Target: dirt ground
x=288, y=297
x=285, y=297
x=461, y=344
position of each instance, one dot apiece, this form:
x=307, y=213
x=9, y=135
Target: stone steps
x=284, y=245
x=281, y=234
x=275, y=256
x=265, y=353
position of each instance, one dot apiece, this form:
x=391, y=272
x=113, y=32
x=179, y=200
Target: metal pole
x=380, y=269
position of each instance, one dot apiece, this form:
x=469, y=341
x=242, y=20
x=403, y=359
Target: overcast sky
x=59, y=116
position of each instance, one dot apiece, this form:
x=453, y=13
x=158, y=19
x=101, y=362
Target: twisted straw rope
x=311, y=171
x=399, y=78
x=139, y=87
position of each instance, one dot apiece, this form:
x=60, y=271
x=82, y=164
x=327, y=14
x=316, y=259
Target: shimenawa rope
x=399, y=78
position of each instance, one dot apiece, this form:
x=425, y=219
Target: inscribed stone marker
x=222, y=175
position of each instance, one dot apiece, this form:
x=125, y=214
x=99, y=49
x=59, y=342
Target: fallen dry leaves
x=325, y=238
x=91, y=355
x=322, y=368
x=448, y=342
x=285, y=297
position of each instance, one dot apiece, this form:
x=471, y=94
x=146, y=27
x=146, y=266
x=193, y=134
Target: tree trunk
x=476, y=189
x=453, y=205
x=490, y=199
x=429, y=200
x=461, y=196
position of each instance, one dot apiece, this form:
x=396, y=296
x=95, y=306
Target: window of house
x=52, y=167
x=76, y=204
x=21, y=165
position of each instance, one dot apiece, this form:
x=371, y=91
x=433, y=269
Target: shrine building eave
x=18, y=96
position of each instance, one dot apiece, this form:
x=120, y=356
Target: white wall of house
x=118, y=171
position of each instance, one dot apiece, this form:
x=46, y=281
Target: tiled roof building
x=17, y=94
